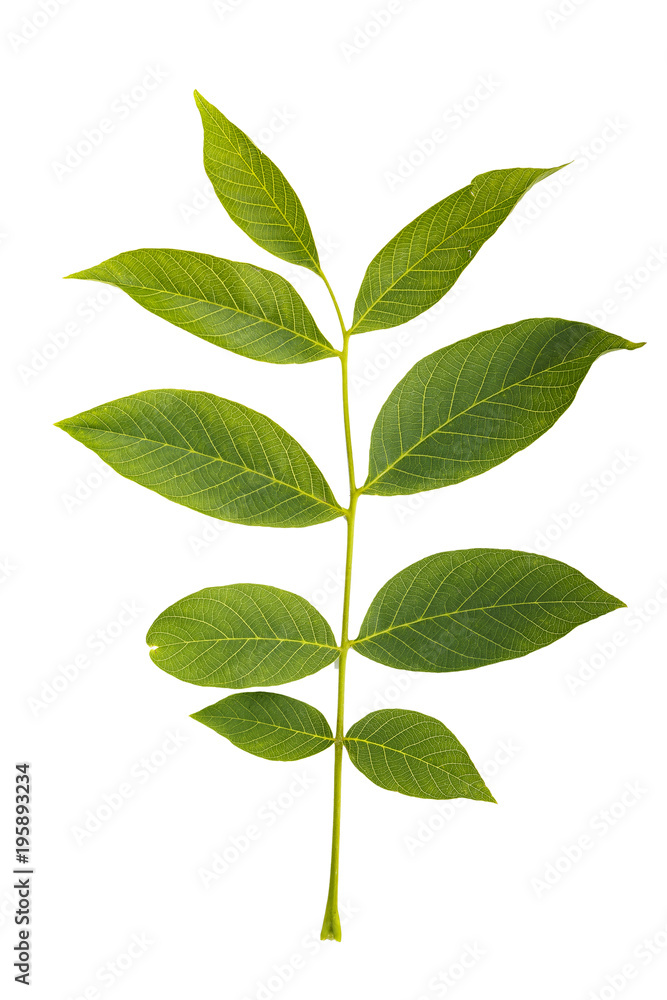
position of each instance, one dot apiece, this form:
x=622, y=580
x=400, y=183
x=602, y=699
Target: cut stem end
x=331, y=925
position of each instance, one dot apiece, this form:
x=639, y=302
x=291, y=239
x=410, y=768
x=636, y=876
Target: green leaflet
x=414, y=754
x=257, y=195
x=422, y=262
x=464, y=609
x=243, y=308
x=475, y=403
x=239, y=636
x=269, y=725
x=209, y=454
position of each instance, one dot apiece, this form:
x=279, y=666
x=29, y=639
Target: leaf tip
x=632, y=346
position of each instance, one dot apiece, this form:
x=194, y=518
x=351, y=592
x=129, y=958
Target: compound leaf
x=475, y=403
x=464, y=609
x=422, y=262
x=269, y=725
x=209, y=454
x=255, y=193
x=239, y=636
x=243, y=308
x=414, y=754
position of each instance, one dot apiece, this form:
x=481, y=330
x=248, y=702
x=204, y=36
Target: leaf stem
x=331, y=925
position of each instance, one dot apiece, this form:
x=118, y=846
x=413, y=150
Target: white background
x=337, y=103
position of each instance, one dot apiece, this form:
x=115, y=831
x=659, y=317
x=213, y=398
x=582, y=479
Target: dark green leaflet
x=269, y=725
x=239, y=636
x=415, y=754
x=422, y=262
x=209, y=454
x=257, y=195
x=475, y=403
x=243, y=308
x=467, y=608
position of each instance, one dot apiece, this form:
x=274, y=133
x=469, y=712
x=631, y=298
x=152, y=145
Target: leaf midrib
x=246, y=638
x=241, y=312
x=287, y=729
x=462, y=413
x=384, y=746
x=264, y=188
x=465, y=611
x=439, y=246
x=215, y=458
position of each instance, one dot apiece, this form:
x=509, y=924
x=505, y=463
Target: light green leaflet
x=257, y=195
x=243, y=308
x=210, y=454
x=475, y=403
x=239, y=636
x=269, y=725
x=463, y=609
x=414, y=754
x=422, y=262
